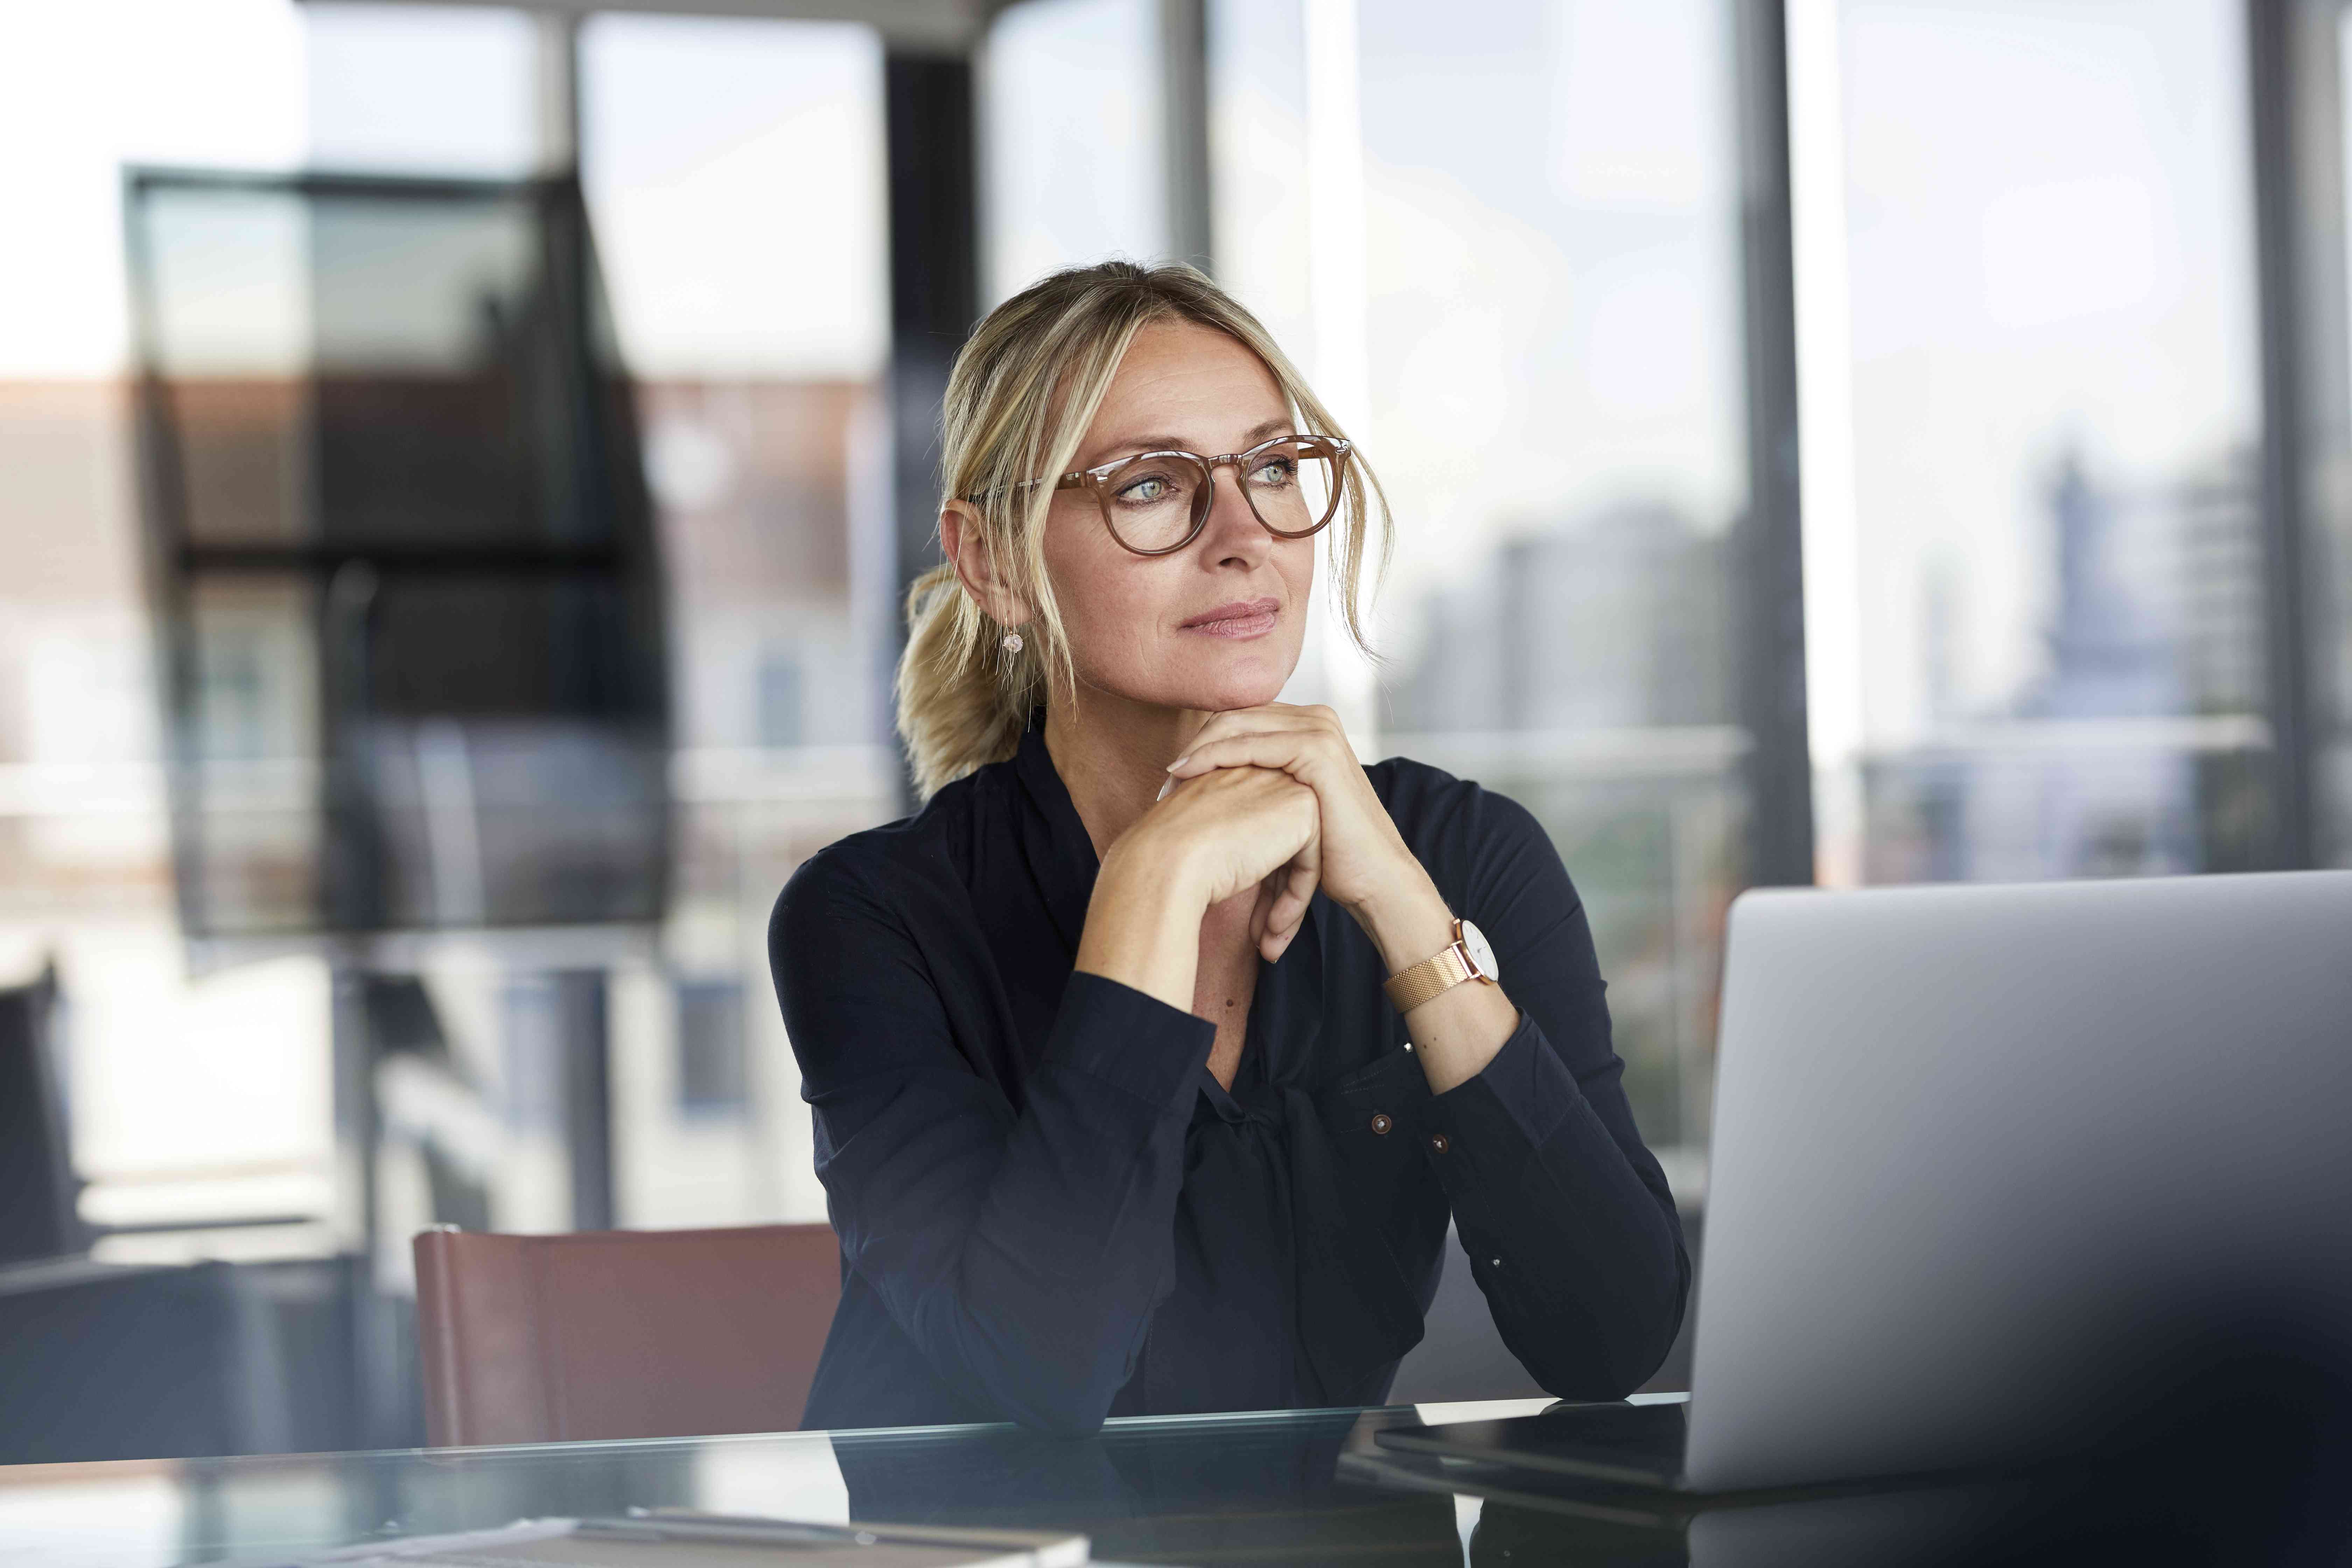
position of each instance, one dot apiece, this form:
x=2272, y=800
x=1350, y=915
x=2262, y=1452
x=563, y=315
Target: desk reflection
x=1243, y=1490
x=1232, y=1489
x=1297, y=1488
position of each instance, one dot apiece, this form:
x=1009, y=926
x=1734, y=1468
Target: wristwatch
x=1469, y=958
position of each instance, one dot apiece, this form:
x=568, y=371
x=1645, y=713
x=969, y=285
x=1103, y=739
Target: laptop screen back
x=1969, y=1140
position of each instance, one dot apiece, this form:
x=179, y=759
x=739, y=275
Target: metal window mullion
x=1769, y=584
x=934, y=208
x=1184, y=119
x=2291, y=62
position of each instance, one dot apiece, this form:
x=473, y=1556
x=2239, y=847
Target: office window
x=428, y=89
x=194, y=1097
x=734, y=170
x=2055, y=421
x=1551, y=389
x=1260, y=218
x=1070, y=139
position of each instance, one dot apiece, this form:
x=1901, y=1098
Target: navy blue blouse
x=1049, y=1210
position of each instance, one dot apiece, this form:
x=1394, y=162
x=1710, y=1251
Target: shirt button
x=1437, y=1142
x=1380, y=1122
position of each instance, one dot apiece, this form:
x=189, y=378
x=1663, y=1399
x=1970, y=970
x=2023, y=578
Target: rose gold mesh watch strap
x=1409, y=988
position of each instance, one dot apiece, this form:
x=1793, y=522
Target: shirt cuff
x=1133, y=1042
x=1512, y=1104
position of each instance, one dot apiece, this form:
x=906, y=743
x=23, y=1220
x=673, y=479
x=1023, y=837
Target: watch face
x=1473, y=941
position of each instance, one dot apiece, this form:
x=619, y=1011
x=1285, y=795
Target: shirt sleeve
x=1566, y=1218
x=1021, y=1250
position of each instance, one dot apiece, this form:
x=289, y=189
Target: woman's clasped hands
x=1275, y=772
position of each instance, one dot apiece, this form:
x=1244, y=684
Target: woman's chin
x=1226, y=679
x=1224, y=697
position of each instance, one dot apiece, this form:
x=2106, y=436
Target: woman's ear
x=964, y=539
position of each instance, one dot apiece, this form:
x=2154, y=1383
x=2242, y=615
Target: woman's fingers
x=1272, y=718
x=1261, y=907
x=1297, y=882
x=1283, y=750
x=1273, y=736
x=1251, y=815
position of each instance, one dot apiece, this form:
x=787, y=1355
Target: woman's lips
x=1253, y=619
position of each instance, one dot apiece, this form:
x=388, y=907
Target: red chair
x=655, y=1334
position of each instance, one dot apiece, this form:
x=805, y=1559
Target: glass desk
x=1292, y=1488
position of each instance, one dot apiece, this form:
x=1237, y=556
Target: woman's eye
x=1144, y=491
x=1274, y=471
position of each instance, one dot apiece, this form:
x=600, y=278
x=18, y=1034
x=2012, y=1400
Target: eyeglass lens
x=1150, y=501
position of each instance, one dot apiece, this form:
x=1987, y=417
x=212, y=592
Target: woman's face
x=1219, y=623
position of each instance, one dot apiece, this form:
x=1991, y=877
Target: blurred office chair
x=114, y=1361
x=38, y=1191
x=540, y=1339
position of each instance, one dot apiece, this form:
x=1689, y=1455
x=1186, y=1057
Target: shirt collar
x=1061, y=857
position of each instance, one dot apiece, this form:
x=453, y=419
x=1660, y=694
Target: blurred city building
x=1632, y=764
x=2138, y=749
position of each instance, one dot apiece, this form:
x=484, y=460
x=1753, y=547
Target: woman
x=1149, y=1058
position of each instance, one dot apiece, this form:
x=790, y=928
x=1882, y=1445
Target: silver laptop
x=1967, y=1141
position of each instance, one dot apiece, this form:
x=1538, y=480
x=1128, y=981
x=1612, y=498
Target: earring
x=1011, y=643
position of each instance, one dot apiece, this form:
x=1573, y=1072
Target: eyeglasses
x=1156, y=503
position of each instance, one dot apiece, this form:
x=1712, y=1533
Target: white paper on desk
x=557, y=1543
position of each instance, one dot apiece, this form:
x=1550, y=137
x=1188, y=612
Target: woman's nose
x=1231, y=529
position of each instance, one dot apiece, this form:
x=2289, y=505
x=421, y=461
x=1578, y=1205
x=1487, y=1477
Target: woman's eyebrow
x=1142, y=444
x=1251, y=438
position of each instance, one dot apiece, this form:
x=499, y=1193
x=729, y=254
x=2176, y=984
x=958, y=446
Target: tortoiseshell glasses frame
x=1104, y=480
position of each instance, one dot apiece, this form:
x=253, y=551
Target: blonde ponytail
x=1019, y=401
x=958, y=708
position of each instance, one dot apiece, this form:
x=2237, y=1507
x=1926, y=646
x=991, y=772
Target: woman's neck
x=1113, y=756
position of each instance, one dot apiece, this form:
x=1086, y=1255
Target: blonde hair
x=1023, y=391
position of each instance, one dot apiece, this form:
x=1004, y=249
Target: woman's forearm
x=1143, y=922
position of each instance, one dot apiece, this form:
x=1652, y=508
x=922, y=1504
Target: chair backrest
x=671, y=1333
